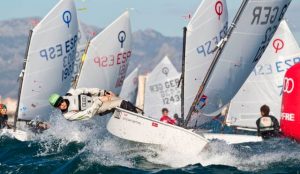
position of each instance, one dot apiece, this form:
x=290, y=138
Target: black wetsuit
x=267, y=132
x=3, y=121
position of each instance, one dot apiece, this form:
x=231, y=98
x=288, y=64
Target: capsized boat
x=230, y=67
x=48, y=63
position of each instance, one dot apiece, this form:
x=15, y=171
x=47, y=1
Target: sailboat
x=130, y=85
x=264, y=85
x=107, y=56
x=162, y=90
x=124, y=124
x=232, y=64
x=206, y=29
x=48, y=64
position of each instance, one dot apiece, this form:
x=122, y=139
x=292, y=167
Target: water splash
x=84, y=146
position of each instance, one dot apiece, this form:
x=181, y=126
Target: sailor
x=267, y=125
x=84, y=103
x=165, y=117
x=179, y=121
x=3, y=116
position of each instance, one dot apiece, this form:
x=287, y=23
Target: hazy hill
x=149, y=46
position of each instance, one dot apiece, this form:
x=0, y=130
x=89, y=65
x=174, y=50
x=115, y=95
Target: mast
x=181, y=81
x=21, y=80
x=81, y=63
x=219, y=50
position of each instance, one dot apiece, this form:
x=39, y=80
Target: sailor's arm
x=87, y=91
x=86, y=114
x=258, y=127
x=276, y=124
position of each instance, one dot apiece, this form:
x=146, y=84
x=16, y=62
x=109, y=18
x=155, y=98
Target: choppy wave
x=87, y=147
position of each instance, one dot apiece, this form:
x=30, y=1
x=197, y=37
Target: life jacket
x=167, y=119
x=79, y=102
x=266, y=124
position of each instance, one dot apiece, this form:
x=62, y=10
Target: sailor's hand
x=112, y=94
x=104, y=98
x=109, y=93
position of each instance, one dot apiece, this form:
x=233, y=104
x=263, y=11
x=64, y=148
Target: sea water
x=87, y=147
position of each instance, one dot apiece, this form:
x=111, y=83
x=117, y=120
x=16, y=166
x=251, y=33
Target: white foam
x=99, y=145
x=102, y=148
x=244, y=158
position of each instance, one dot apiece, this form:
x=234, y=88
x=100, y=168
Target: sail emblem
x=67, y=17
x=219, y=8
x=278, y=44
x=122, y=37
x=165, y=71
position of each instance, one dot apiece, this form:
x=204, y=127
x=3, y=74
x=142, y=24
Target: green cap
x=55, y=99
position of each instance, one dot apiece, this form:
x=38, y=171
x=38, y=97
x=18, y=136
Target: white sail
x=162, y=90
x=50, y=61
x=255, y=25
x=129, y=88
x=207, y=27
x=264, y=85
x=108, y=56
x=81, y=45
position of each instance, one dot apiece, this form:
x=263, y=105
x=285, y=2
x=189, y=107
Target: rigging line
x=183, y=73
x=21, y=77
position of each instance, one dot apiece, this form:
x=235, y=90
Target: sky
x=165, y=16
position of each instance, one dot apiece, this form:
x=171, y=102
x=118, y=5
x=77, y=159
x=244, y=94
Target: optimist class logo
x=219, y=8
x=67, y=17
x=278, y=44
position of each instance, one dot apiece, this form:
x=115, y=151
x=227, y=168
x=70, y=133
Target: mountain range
x=149, y=47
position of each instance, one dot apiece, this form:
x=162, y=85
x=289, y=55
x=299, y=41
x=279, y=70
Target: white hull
x=18, y=134
x=138, y=128
x=233, y=138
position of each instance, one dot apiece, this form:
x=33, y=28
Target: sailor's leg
x=108, y=106
x=128, y=106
